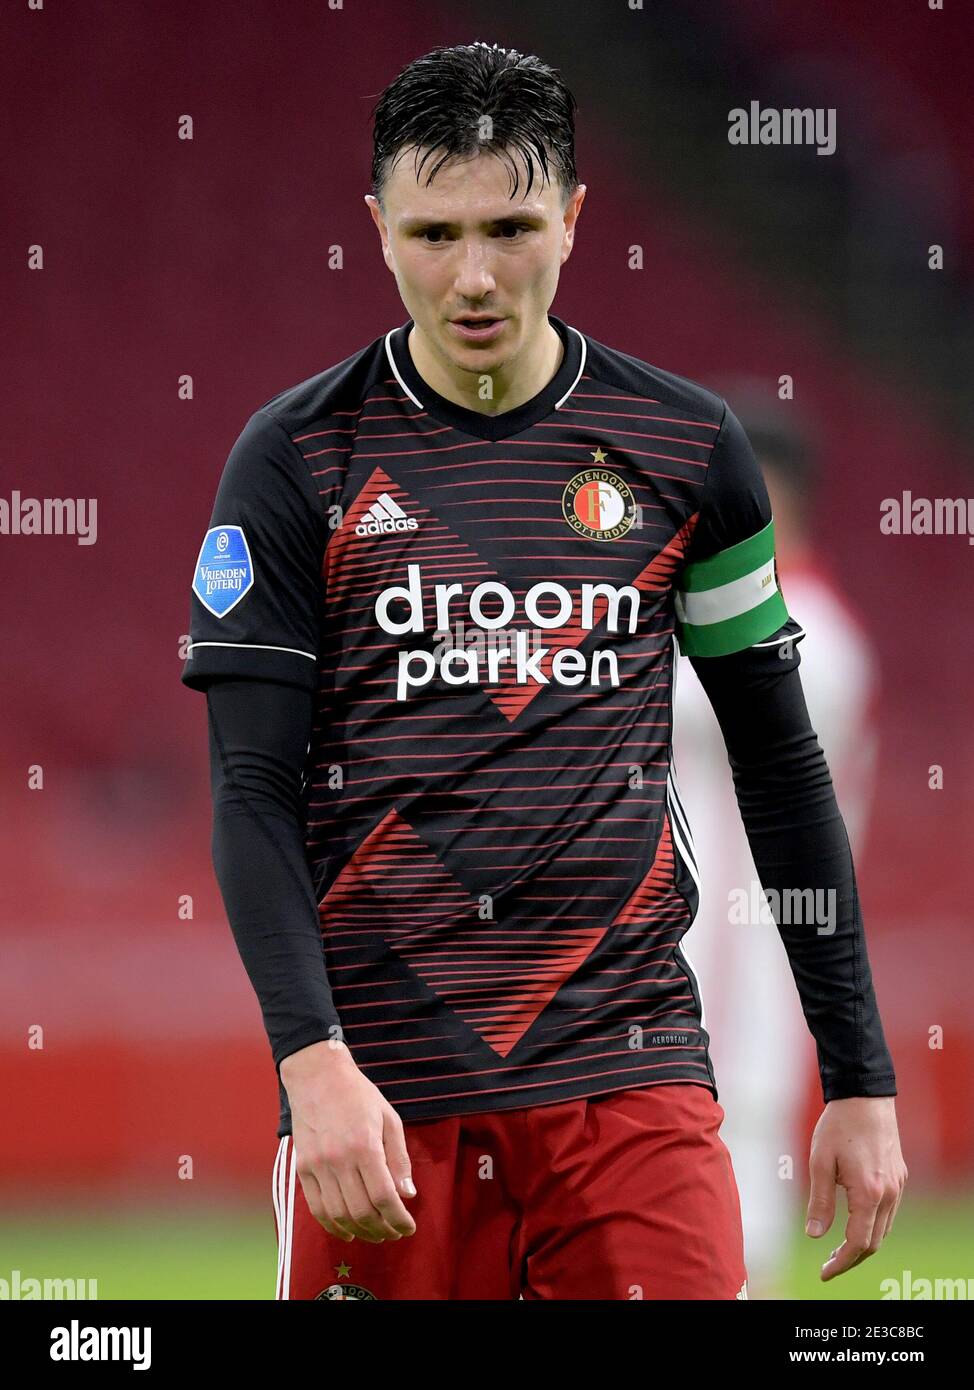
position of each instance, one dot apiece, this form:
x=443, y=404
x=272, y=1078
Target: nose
x=474, y=277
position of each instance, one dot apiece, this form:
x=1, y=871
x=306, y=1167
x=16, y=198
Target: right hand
x=350, y=1146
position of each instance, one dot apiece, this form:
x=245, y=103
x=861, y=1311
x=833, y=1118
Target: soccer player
x=435, y=614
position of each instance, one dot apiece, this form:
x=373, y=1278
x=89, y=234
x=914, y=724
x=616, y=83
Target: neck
x=515, y=380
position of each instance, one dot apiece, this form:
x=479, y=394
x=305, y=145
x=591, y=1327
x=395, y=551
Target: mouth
x=477, y=327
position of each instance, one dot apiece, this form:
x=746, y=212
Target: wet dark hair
x=438, y=102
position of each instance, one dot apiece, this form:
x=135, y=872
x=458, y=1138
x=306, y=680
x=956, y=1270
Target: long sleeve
x=799, y=842
x=258, y=735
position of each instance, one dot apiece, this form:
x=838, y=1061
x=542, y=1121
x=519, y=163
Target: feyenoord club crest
x=598, y=505
x=338, y=1292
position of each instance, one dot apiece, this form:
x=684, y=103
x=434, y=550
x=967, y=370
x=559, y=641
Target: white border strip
x=680, y=825
x=780, y=641
x=254, y=647
x=701, y=607
x=289, y=1219
x=276, y=1198
x=581, y=366
x=419, y=404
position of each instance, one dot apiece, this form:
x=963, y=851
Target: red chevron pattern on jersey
x=505, y=916
x=657, y=577
x=501, y=869
x=496, y=980
x=656, y=898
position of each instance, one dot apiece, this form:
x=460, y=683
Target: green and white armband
x=731, y=600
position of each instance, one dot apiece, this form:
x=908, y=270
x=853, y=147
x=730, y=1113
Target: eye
x=509, y=232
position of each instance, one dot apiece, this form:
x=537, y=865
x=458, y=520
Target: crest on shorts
x=337, y=1292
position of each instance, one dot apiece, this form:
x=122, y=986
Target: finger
x=381, y=1188
x=314, y=1197
x=311, y=1186
x=397, y=1154
x=821, y=1199
x=312, y=1193
x=883, y=1213
x=892, y=1215
x=846, y=1257
x=336, y=1212
x=365, y=1222
x=859, y=1228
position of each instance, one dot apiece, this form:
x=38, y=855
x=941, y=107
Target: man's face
x=464, y=246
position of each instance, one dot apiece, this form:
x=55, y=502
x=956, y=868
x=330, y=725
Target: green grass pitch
x=232, y=1253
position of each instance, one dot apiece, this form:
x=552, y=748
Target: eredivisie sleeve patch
x=731, y=600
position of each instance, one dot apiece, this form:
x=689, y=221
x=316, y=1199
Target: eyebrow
x=414, y=223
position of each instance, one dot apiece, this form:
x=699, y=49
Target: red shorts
x=622, y=1196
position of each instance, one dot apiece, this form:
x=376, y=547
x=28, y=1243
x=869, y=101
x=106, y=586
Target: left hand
x=856, y=1145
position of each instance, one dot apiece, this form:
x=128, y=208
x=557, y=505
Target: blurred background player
x=759, y=1041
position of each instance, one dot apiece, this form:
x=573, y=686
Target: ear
x=572, y=208
x=373, y=205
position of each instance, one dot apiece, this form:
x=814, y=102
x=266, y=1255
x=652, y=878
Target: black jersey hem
x=209, y=661
x=577, y=1089
x=848, y=1085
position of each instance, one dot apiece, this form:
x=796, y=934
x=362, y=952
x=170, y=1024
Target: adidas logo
x=385, y=515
